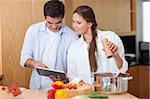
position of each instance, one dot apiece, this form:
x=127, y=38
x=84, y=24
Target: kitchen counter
x=115, y=96
x=122, y=96
x=33, y=94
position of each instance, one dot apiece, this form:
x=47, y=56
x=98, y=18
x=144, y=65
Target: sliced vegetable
x=14, y=89
x=51, y=94
x=61, y=94
x=97, y=96
x=58, y=85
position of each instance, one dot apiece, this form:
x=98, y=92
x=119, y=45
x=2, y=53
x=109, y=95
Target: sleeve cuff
x=22, y=63
x=124, y=67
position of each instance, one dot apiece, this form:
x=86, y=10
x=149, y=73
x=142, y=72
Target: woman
x=87, y=55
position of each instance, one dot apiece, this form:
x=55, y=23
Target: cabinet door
x=114, y=15
x=16, y=17
x=139, y=86
x=133, y=85
x=110, y=14
x=144, y=82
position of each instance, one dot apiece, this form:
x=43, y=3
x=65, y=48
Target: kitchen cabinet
x=116, y=15
x=139, y=86
x=133, y=84
x=144, y=82
x=133, y=15
x=16, y=16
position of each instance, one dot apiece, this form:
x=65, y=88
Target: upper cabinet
x=114, y=15
x=133, y=15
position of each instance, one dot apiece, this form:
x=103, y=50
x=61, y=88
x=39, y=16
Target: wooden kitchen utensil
x=106, y=48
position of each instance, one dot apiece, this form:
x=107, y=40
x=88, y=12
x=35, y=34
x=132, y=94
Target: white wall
x=146, y=21
x=140, y=34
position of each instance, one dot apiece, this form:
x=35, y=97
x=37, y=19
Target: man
x=46, y=44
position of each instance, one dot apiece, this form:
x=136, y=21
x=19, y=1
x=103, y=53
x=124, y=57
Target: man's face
x=53, y=24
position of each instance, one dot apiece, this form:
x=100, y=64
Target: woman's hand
x=81, y=83
x=114, y=48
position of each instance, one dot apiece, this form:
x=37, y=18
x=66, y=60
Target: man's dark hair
x=54, y=9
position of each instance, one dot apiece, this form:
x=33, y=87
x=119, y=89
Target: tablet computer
x=50, y=72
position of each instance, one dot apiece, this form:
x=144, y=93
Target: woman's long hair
x=87, y=13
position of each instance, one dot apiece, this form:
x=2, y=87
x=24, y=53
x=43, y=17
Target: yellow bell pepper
x=61, y=94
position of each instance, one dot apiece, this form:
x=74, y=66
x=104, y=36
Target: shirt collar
x=81, y=41
x=43, y=28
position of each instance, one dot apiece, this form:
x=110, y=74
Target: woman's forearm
x=118, y=61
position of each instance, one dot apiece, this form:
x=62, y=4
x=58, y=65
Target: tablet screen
x=50, y=72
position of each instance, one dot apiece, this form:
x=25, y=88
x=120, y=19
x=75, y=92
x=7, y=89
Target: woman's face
x=79, y=24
